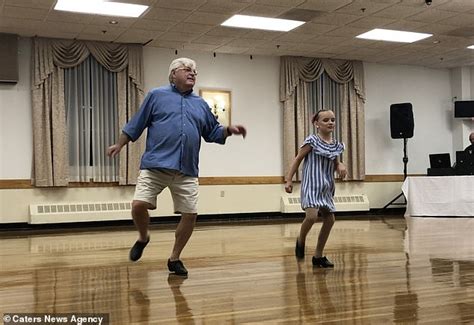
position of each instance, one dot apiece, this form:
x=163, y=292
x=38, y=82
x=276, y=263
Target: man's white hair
x=180, y=63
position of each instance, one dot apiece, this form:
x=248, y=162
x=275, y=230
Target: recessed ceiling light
x=101, y=7
x=393, y=35
x=113, y=22
x=265, y=23
x=471, y=47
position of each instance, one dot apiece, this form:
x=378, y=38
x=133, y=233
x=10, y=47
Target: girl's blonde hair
x=180, y=63
x=316, y=116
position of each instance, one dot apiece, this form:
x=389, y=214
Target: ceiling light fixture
x=389, y=35
x=471, y=47
x=265, y=23
x=101, y=7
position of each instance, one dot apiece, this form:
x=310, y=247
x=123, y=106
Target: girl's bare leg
x=311, y=216
x=328, y=222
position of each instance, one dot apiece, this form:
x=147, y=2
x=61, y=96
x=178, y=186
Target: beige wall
x=255, y=91
x=213, y=199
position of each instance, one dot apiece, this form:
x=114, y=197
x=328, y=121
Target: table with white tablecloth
x=443, y=196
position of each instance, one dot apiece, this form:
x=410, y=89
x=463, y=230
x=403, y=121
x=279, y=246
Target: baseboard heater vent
x=79, y=212
x=357, y=202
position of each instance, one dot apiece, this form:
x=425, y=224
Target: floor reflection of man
x=142, y=303
x=139, y=303
x=183, y=311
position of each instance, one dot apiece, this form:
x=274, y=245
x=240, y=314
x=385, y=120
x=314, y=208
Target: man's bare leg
x=183, y=233
x=141, y=218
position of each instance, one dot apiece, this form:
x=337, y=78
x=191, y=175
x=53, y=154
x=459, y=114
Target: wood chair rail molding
x=233, y=180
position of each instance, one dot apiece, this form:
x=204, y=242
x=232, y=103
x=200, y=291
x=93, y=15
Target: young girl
x=320, y=153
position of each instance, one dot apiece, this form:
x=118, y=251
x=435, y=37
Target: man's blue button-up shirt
x=176, y=122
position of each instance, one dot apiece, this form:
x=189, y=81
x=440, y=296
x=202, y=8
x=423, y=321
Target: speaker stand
x=405, y=163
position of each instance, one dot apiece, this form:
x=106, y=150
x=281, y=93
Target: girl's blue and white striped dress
x=317, y=186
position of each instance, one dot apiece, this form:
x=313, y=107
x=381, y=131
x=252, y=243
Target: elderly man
x=470, y=149
x=175, y=119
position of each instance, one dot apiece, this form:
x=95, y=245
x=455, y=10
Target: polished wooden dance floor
x=414, y=271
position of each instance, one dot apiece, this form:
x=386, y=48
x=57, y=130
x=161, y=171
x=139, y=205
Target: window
x=325, y=93
x=92, y=121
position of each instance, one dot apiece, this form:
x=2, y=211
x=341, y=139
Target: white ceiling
x=195, y=25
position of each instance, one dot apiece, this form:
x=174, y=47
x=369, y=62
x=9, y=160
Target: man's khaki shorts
x=184, y=189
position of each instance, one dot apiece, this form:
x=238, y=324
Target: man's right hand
x=114, y=150
x=237, y=129
x=289, y=187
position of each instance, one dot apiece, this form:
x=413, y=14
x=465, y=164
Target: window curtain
x=296, y=76
x=92, y=121
x=325, y=93
x=50, y=133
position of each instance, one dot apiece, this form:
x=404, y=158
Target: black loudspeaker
x=401, y=121
x=464, y=108
x=8, y=58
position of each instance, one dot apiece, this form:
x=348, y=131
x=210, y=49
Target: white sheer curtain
x=325, y=93
x=92, y=120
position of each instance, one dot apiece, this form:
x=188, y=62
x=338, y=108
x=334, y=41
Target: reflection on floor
x=387, y=271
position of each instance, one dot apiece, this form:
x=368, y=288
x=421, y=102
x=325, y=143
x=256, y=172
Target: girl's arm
x=304, y=150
